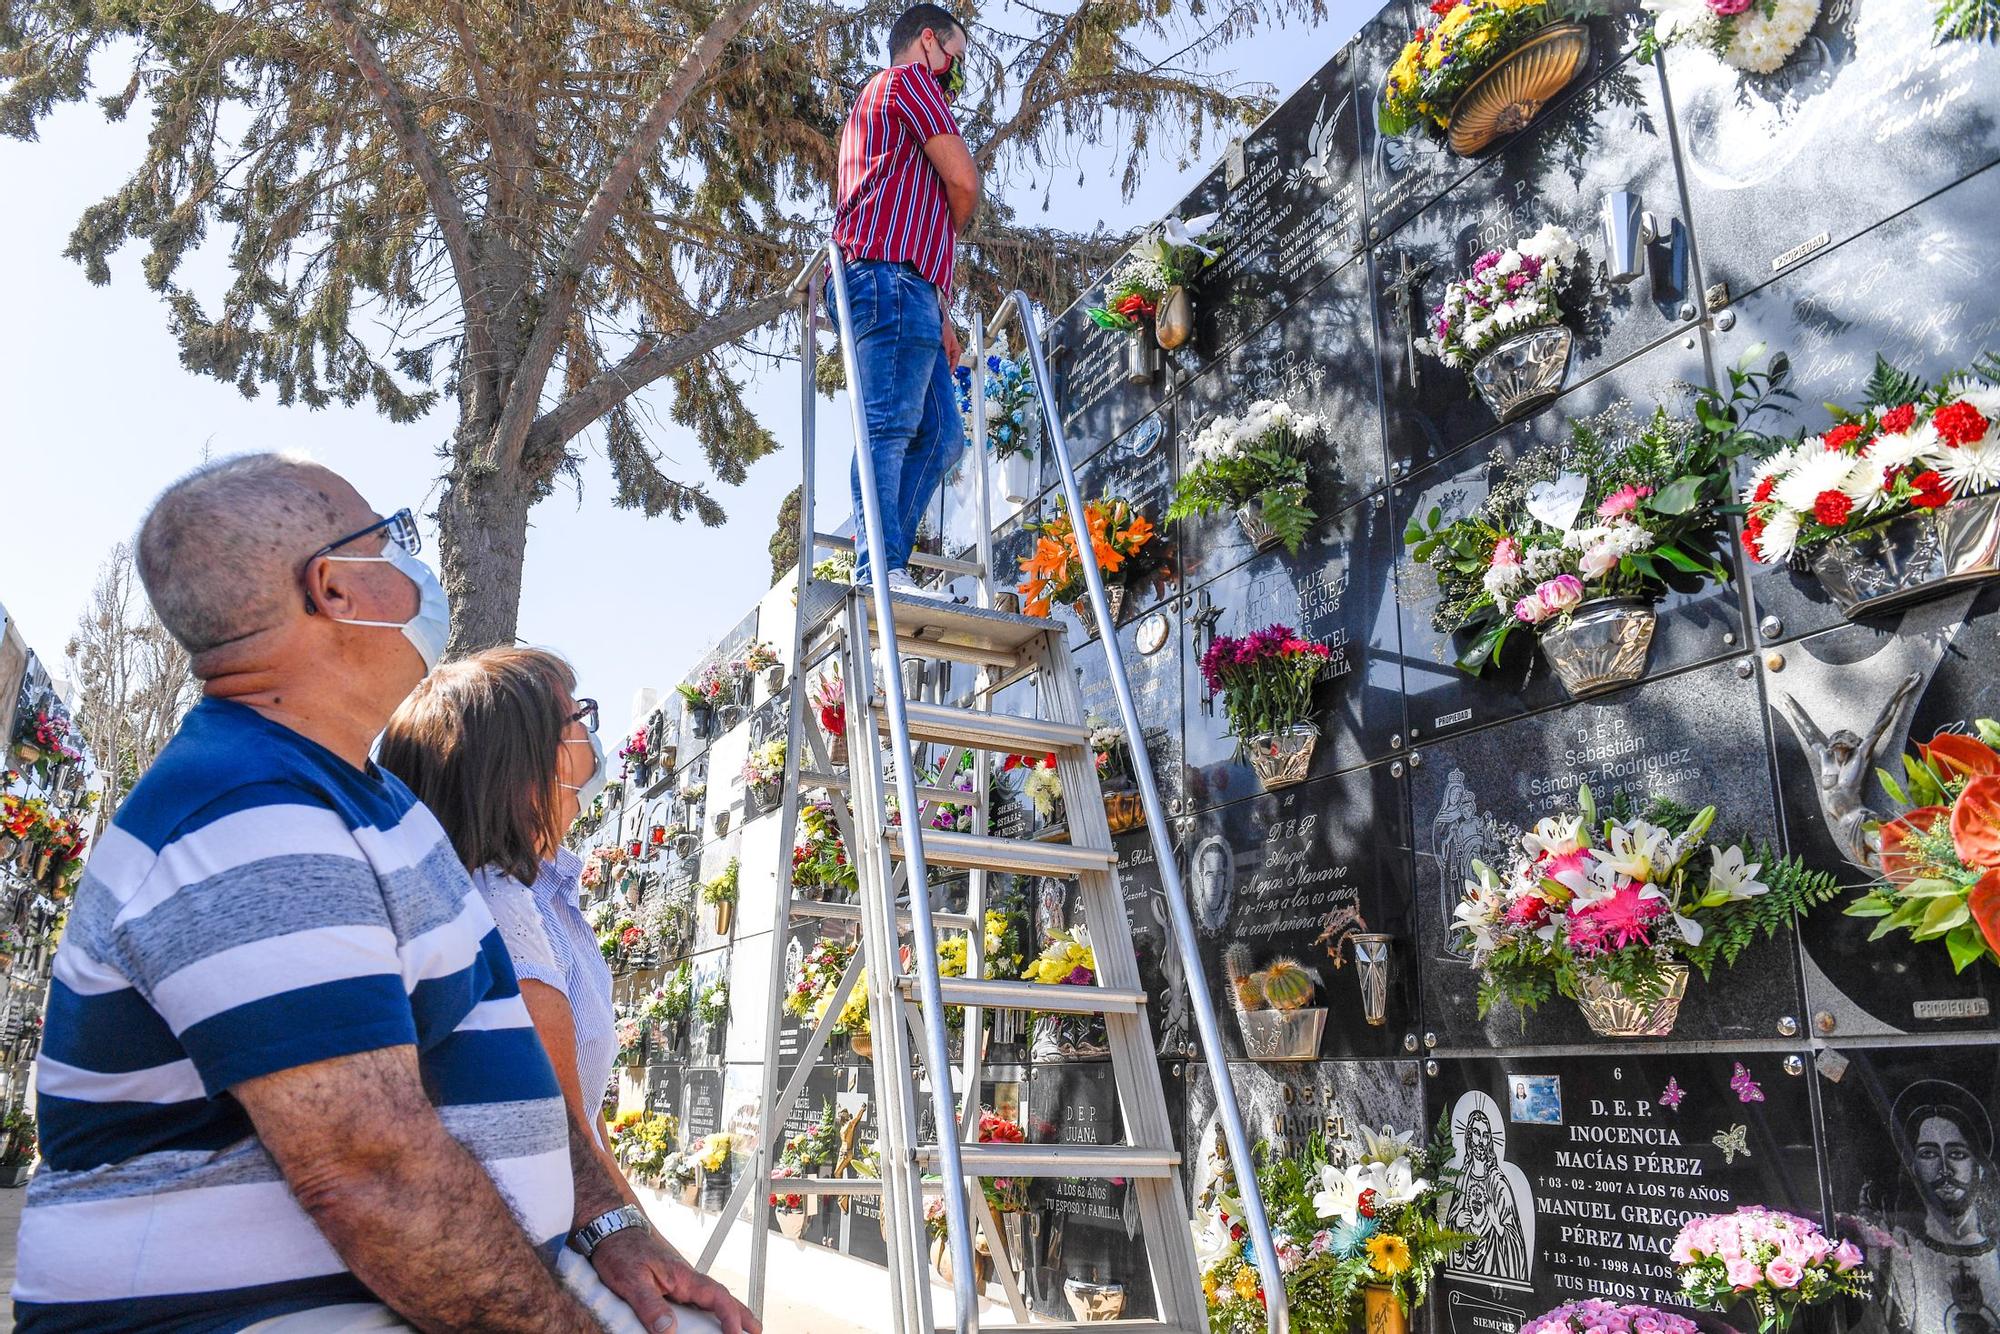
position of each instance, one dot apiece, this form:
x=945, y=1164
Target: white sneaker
x=901, y=582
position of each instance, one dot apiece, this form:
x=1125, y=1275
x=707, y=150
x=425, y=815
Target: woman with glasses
x=504, y=755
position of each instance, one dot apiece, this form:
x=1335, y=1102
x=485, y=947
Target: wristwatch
x=592, y=1234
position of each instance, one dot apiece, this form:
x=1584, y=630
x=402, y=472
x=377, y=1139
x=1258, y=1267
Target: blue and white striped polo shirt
x=259, y=904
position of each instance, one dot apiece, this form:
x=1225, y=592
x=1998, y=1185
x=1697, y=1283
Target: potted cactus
x=1274, y=1007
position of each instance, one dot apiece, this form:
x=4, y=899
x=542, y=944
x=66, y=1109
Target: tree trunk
x=482, y=540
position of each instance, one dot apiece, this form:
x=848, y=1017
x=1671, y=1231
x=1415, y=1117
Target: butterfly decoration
x=1733, y=1141
x=1672, y=1094
x=1746, y=1087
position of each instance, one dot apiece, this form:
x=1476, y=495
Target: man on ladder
x=907, y=185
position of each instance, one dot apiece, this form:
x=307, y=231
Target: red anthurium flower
x=1975, y=822
x=1984, y=900
x=1899, y=865
x=1951, y=752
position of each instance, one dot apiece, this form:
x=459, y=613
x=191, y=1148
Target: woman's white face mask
x=587, y=791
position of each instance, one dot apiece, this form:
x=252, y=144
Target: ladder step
x=995, y=994
x=1057, y=1160
x=1004, y=732
x=923, y=560
x=826, y=1185
x=851, y=912
x=944, y=623
x=976, y=852
x=841, y=783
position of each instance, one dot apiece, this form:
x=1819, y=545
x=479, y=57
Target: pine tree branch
x=401, y=114
x=647, y=362
x=517, y=419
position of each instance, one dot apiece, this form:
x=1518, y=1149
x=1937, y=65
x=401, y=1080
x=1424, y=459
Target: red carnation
x=1134, y=304
x=1365, y=1204
x=1832, y=508
x=1960, y=424
x=1932, y=490
x=1898, y=420
x=1443, y=7
x=1423, y=34
x=1763, y=491
x=1841, y=436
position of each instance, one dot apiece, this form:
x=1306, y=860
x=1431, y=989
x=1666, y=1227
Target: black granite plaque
x=1283, y=1106
x=1099, y=401
x=664, y=1090
x=1400, y=173
x=1139, y=467
x=1340, y=591
x=1575, y=1173
x=1901, y=291
x=1830, y=696
x=1913, y=1182
x=1296, y=874
x=1868, y=97
x=1694, y=738
x=1150, y=642
x=704, y=1116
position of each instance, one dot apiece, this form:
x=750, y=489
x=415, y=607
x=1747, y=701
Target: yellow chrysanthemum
x=1209, y=1288
x=1246, y=1283
x=1388, y=1253
x=1434, y=57
x=1455, y=20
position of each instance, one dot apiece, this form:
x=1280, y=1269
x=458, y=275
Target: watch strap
x=593, y=1234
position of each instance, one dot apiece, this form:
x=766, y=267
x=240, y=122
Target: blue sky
x=100, y=416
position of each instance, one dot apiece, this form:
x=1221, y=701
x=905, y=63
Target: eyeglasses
x=586, y=713
x=401, y=527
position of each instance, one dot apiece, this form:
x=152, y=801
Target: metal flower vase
x=1371, y=969
x=1282, y=1035
x=1524, y=372
x=1124, y=811
x=1283, y=757
x=1601, y=645
x=1915, y=556
x=1509, y=95
x=725, y=916
x=1261, y=535
x=1611, y=1013
x=1114, y=596
x=1173, y=322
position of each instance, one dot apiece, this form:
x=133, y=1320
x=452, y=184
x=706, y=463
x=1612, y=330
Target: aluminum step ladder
x=869, y=633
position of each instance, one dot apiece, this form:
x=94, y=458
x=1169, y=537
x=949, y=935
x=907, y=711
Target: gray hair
x=220, y=550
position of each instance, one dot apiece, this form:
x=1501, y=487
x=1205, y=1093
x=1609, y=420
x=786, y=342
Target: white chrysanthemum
x=1897, y=451
x=1500, y=581
x=1972, y=468
x=1551, y=243
x=1781, y=536
x=1863, y=483
x=1680, y=19
x=1800, y=487
x=1777, y=464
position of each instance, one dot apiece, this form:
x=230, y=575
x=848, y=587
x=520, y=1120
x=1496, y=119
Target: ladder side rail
x=902, y=1200
x=773, y=1108
x=1207, y=1025
x=906, y=792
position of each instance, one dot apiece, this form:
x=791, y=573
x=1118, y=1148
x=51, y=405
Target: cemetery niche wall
x=1835, y=211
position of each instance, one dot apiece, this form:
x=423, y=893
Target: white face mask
x=428, y=630
x=599, y=773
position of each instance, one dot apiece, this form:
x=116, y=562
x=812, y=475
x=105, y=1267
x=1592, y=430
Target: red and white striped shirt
x=892, y=201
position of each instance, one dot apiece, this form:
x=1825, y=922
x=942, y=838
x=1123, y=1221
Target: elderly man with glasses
x=288, y=1082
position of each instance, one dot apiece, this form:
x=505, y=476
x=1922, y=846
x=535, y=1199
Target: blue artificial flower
x=1349, y=1236
x=993, y=364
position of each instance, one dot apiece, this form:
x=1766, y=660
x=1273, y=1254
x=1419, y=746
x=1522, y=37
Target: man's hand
x=646, y=1273
x=951, y=347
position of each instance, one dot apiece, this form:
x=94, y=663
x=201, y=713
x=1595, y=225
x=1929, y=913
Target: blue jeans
x=911, y=405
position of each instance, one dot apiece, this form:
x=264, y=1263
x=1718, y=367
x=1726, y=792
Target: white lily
x=1386, y=1146
x=1636, y=848
x=1393, y=1183
x=1211, y=1242
x=1730, y=879
x=1340, y=1194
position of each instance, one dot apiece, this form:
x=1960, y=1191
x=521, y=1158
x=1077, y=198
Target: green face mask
x=952, y=78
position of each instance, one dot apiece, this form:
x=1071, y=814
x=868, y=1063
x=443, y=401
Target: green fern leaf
x=1887, y=386
x=1968, y=20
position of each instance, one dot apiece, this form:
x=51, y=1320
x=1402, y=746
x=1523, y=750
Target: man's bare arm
x=413, y=1214
x=953, y=162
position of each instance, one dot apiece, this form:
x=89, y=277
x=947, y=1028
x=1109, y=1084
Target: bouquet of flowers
x=1911, y=447
x=1007, y=1195
x=1622, y=506
x=1941, y=858
x=1010, y=405
x=1443, y=58
x=1118, y=534
x=764, y=767
x=1265, y=679
x=716, y=683
x=722, y=887
x=631, y=1035
x=715, y=1151
x=641, y=1142
x=1257, y=459
x=1596, y=1316
x=819, y=858
x=712, y=1006
x=1066, y=960
x=1167, y=258
x=828, y=697
x=1757, y=36
x=1042, y=786
x=1343, y=1224
x=633, y=752
x=811, y=987
x=761, y=656
x=1777, y=1262
x=1615, y=904
x=1509, y=292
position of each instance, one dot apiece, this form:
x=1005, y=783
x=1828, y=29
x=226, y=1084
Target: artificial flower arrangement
x=1254, y=464
x=715, y=1151
x=828, y=697
x=1941, y=858
x=49, y=844
x=1007, y=1195
x=632, y=755
x=631, y=1034
x=1357, y=1241
x=811, y=987
x=1067, y=960
x=764, y=770
x=1858, y=501
x=642, y=1141
x=1594, y=1315
x=820, y=865
x=1010, y=405
x=760, y=656
x=712, y=1006
x=1776, y=1263
x=1438, y=66
x=1623, y=506
x=719, y=893
x=1611, y=910
x=1150, y=285
x=1756, y=36
x=1119, y=535
x=1041, y=785
x=51, y=748
x=1502, y=324
x=1266, y=680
